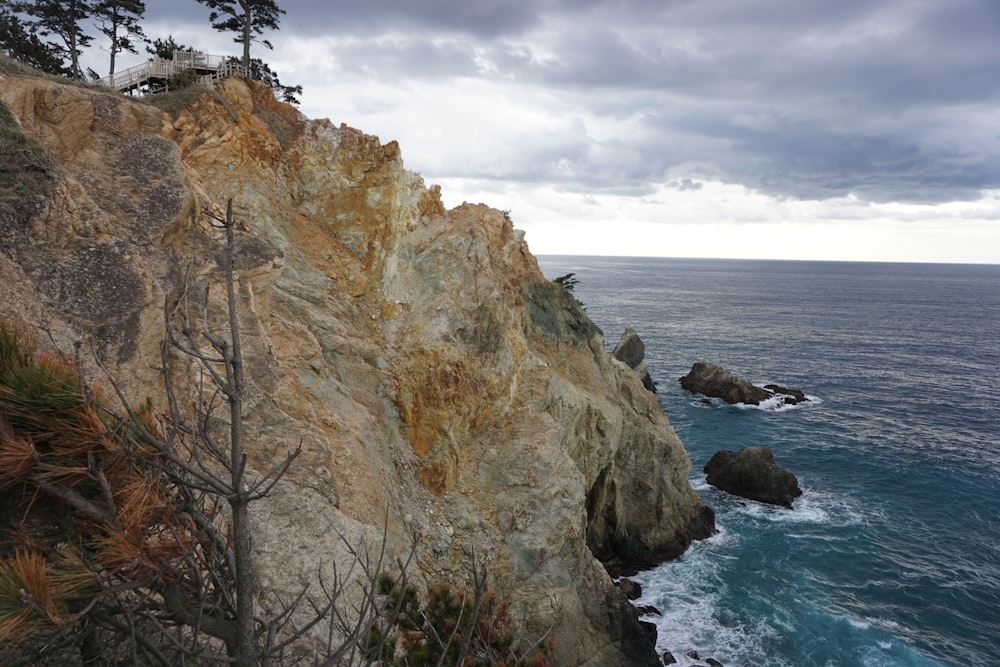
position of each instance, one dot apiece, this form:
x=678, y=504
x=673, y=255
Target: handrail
x=215, y=67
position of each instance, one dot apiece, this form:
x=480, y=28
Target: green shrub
x=24, y=167
x=452, y=627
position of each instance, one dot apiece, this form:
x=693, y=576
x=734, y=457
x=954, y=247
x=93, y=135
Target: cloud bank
x=874, y=102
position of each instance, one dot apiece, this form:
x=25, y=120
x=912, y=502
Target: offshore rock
x=438, y=384
x=715, y=382
x=631, y=351
x=711, y=380
x=788, y=396
x=752, y=473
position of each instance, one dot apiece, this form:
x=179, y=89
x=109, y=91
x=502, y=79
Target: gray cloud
x=481, y=19
x=685, y=184
x=889, y=100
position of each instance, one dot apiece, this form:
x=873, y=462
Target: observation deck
x=155, y=74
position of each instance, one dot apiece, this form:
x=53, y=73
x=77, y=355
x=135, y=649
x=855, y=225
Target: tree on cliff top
x=164, y=48
x=261, y=71
x=64, y=19
x=119, y=22
x=247, y=18
x=21, y=42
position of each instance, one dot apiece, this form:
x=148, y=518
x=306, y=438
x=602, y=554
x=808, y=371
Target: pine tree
x=248, y=18
x=21, y=43
x=63, y=19
x=261, y=71
x=164, y=48
x=119, y=22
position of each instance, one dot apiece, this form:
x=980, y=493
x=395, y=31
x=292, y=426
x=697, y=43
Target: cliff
x=438, y=384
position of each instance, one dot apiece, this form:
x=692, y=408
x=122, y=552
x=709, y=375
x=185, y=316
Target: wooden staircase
x=154, y=75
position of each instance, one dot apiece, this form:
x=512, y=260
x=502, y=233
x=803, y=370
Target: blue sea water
x=892, y=555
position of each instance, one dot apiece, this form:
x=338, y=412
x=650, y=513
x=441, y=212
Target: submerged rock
x=752, y=473
x=789, y=396
x=711, y=380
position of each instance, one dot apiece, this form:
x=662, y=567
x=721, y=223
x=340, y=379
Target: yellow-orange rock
x=437, y=382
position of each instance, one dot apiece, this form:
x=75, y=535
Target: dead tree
x=134, y=543
x=204, y=470
x=207, y=471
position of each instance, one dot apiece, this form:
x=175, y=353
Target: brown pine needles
x=87, y=505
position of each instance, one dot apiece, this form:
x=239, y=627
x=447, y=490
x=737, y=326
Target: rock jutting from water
x=715, y=382
x=752, y=473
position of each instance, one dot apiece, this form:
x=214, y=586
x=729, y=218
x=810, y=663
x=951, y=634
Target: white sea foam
x=694, y=598
x=812, y=507
x=773, y=404
x=700, y=482
x=887, y=624
x=689, y=595
x=776, y=514
x=777, y=403
x=816, y=506
x=689, y=592
x=688, y=623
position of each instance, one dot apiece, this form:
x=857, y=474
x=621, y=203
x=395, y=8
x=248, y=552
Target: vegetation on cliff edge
x=25, y=167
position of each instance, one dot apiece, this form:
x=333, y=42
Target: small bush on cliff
x=24, y=168
x=452, y=627
x=569, y=282
x=181, y=97
x=183, y=79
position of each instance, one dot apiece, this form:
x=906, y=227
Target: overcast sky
x=800, y=129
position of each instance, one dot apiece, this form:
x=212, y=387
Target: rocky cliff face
x=438, y=384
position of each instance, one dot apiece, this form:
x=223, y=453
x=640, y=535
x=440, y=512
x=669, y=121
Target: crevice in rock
x=601, y=520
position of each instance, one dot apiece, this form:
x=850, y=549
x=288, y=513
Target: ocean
x=892, y=555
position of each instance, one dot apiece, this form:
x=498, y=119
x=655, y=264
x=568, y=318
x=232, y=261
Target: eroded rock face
x=438, y=384
x=752, y=473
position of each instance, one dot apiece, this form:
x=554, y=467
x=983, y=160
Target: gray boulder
x=752, y=473
x=631, y=351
